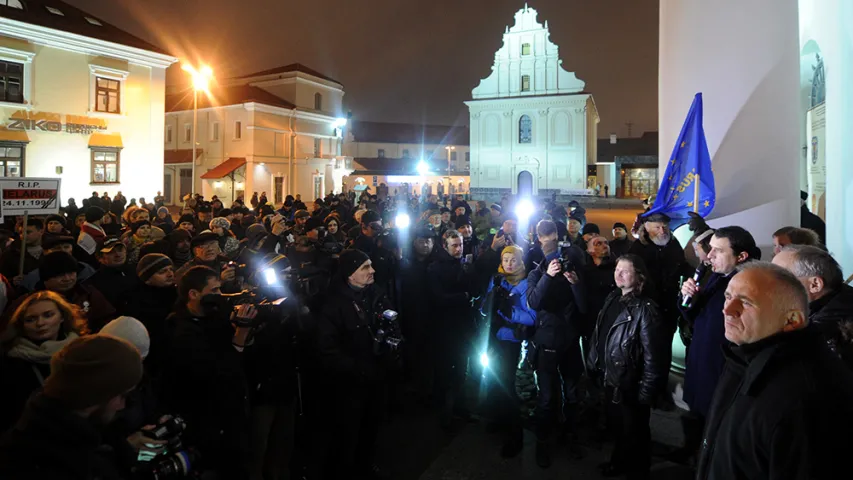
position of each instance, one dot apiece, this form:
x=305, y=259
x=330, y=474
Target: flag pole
x=696, y=193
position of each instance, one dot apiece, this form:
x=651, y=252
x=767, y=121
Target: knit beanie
x=151, y=264
x=312, y=223
x=620, y=225
x=163, y=210
x=94, y=213
x=137, y=225
x=369, y=217
x=55, y=218
x=55, y=264
x=255, y=232
x=301, y=214
x=590, y=228
x=187, y=217
x=130, y=329
x=349, y=261
x=496, y=208
x=221, y=222
x=92, y=370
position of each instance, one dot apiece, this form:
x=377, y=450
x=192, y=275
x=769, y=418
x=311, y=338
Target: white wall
x=743, y=57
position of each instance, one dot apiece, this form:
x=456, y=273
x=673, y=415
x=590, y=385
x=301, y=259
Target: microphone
x=700, y=272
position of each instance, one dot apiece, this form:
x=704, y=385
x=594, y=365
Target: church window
x=525, y=129
x=525, y=49
x=525, y=83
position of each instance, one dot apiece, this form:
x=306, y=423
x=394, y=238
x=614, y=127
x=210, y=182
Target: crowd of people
x=267, y=341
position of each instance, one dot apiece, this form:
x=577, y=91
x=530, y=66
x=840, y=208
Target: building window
x=405, y=153
x=214, y=132
x=380, y=153
x=11, y=82
x=467, y=156
x=317, y=147
x=12, y=4
x=318, y=101
x=105, y=165
x=168, y=134
x=525, y=83
x=238, y=130
x=107, y=95
x=11, y=160
x=453, y=156
x=525, y=49
x=525, y=129
x=188, y=133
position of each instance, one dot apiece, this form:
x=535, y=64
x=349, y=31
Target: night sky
x=407, y=60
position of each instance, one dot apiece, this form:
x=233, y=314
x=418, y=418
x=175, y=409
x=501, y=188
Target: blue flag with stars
x=689, y=162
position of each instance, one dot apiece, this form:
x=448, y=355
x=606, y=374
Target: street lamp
x=200, y=78
x=448, y=156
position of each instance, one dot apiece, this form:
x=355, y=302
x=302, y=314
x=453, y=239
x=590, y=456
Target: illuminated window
x=380, y=153
x=105, y=165
x=238, y=130
x=525, y=49
x=12, y=159
x=317, y=147
x=168, y=134
x=11, y=82
x=107, y=95
x=525, y=129
x=525, y=83
x=188, y=133
x=12, y=4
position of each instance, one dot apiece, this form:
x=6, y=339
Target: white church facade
x=533, y=127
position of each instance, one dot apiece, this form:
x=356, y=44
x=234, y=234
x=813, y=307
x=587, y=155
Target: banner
x=816, y=156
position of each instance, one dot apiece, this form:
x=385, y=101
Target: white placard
x=36, y=196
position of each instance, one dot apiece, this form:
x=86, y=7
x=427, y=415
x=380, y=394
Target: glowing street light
x=422, y=168
x=200, y=79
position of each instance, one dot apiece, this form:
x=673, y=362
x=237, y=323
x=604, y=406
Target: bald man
x=783, y=407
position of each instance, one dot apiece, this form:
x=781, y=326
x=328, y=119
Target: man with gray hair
x=830, y=300
x=784, y=404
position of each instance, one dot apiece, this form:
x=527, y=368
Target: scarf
x=520, y=274
x=26, y=349
x=95, y=232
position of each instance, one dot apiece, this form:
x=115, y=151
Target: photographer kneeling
x=205, y=382
x=353, y=360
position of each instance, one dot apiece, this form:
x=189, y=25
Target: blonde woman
x=41, y=325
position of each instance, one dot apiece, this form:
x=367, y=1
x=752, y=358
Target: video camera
x=388, y=334
x=175, y=461
x=566, y=262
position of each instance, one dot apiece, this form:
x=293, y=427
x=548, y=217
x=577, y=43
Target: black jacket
x=833, y=316
x=151, y=305
x=50, y=442
x=559, y=305
x=637, y=349
x=19, y=380
x=117, y=285
x=783, y=409
x=599, y=285
x=620, y=247
x=813, y=222
x=451, y=288
x=666, y=265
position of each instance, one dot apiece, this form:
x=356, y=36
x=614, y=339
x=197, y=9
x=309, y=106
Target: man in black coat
x=810, y=220
x=559, y=298
x=206, y=382
x=830, y=299
x=114, y=278
x=621, y=243
x=152, y=302
x=353, y=364
x=784, y=404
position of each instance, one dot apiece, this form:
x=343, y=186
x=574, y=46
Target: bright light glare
x=422, y=168
x=524, y=209
x=201, y=77
x=402, y=220
x=270, y=276
x=484, y=360
x=340, y=123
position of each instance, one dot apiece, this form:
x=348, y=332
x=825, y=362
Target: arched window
x=318, y=101
x=525, y=129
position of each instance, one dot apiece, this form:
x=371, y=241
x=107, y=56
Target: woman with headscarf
x=510, y=320
x=140, y=231
x=228, y=243
x=41, y=325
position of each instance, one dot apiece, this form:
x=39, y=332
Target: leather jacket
x=638, y=349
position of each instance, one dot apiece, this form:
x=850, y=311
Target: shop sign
x=55, y=122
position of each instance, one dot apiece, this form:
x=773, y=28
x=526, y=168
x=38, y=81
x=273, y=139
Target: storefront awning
x=7, y=135
x=111, y=140
x=225, y=168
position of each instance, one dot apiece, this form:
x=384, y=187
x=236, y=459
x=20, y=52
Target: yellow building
x=79, y=99
x=277, y=131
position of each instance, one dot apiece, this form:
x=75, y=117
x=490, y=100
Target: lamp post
x=200, y=79
x=448, y=155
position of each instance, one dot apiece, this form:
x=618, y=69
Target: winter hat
x=187, y=217
x=590, y=228
x=620, y=225
x=51, y=241
x=220, y=222
x=444, y=210
x=55, y=264
x=349, y=261
x=369, y=217
x=312, y=223
x=462, y=221
x=151, y=264
x=225, y=212
x=576, y=218
x=94, y=213
x=248, y=219
x=131, y=330
x=255, y=232
x=178, y=235
x=55, y=218
x=497, y=208
x=163, y=210
x=301, y=214
x=204, y=237
x=155, y=246
x=92, y=370
x=137, y=225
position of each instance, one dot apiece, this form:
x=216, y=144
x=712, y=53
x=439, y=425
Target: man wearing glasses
x=206, y=253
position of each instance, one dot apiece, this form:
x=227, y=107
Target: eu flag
x=688, y=176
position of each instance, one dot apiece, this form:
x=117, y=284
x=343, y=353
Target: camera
x=566, y=262
x=175, y=461
x=388, y=332
x=267, y=309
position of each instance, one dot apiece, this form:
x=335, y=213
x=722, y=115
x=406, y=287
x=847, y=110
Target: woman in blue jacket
x=509, y=320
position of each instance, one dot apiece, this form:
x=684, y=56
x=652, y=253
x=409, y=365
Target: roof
x=181, y=156
x=73, y=20
x=225, y=168
x=292, y=68
x=224, y=95
x=644, y=145
x=395, y=166
x=378, y=132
